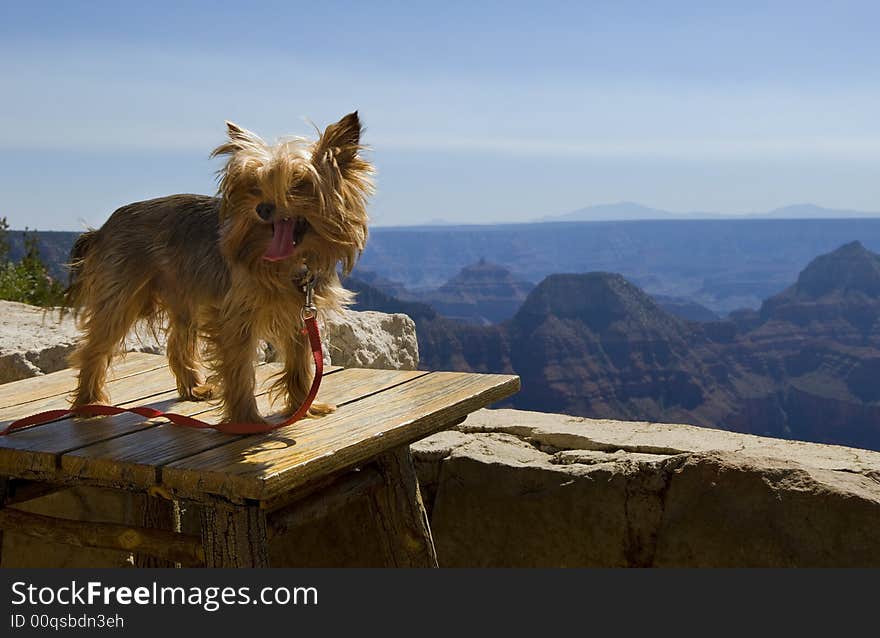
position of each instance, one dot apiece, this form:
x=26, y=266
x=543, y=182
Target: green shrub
x=28, y=280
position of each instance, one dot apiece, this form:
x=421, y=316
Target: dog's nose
x=265, y=210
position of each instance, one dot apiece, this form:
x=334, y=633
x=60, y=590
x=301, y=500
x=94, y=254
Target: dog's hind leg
x=183, y=335
x=107, y=321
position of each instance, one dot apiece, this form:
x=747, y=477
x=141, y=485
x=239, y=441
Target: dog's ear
x=344, y=183
x=340, y=143
x=239, y=139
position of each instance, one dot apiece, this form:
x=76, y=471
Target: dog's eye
x=255, y=192
x=265, y=210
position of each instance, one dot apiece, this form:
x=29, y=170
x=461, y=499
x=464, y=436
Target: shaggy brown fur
x=227, y=269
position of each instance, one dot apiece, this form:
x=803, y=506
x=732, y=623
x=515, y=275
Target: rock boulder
x=372, y=340
x=35, y=341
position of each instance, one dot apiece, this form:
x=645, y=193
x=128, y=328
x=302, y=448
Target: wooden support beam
x=157, y=513
x=312, y=487
x=162, y=544
x=234, y=535
x=352, y=486
x=401, y=515
x=22, y=490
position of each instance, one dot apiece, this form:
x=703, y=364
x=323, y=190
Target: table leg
x=401, y=513
x=234, y=535
x=157, y=513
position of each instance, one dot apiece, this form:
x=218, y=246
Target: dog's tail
x=74, y=291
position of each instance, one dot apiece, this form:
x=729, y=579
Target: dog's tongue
x=281, y=246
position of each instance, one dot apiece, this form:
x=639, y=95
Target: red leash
x=311, y=329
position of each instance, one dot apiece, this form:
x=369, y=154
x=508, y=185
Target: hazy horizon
x=780, y=214
x=495, y=113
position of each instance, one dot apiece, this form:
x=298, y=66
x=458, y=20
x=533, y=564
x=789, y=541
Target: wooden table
x=248, y=488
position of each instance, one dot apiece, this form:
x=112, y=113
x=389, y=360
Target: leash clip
x=309, y=310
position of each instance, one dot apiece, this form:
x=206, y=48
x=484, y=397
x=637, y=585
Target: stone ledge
x=515, y=488
x=555, y=432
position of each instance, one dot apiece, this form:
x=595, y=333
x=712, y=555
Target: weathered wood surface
x=22, y=491
x=135, y=459
x=378, y=410
x=234, y=536
x=405, y=530
x=35, y=452
x=156, y=513
x=350, y=487
x=168, y=546
x=62, y=382
x=261, y=467
x=122, y=390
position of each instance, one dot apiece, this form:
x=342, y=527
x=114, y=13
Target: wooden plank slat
x=63, y=381
x=124, y=390
x=260, y=467
x=134, y=459
x=33, y=453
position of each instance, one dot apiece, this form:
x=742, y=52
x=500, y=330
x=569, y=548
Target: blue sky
x=476, y=112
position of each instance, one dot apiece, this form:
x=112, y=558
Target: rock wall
x=510, y=488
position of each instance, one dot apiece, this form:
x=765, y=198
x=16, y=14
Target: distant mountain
x=486, y=293
x=620, y=211
x=850, y=270
x=481, y=293
x=838, y=292
x=804, y=367
x=369, y=297
x=601, y=301
x=596, y=344
x=632, y=211
x=724, y=265
x=377, y=281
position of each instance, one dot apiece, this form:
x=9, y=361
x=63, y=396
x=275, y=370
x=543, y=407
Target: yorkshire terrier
x=228, y=270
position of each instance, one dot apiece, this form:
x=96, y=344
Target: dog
x=227, y=270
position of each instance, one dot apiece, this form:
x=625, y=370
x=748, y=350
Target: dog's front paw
x=80, y=400
x=247, y=417
x=203, y=392
x=321, y=409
